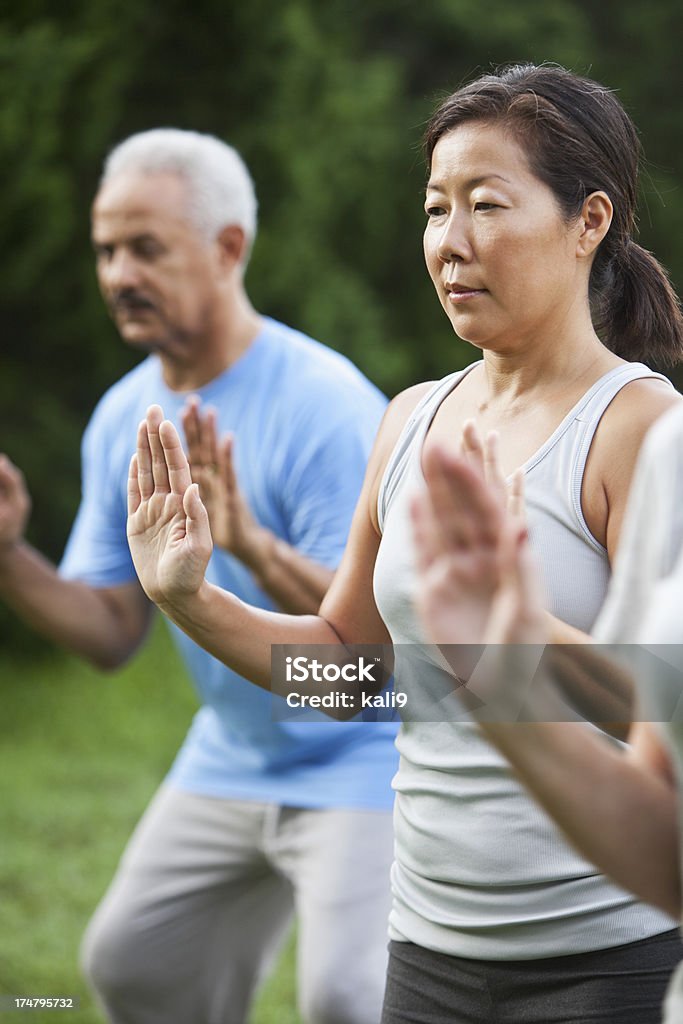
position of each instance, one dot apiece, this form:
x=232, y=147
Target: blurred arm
x=595, y=685
x=295, y=583
x=103, y=625
x=619, y=809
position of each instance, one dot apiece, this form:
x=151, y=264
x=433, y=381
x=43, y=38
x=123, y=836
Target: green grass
x=80, y=755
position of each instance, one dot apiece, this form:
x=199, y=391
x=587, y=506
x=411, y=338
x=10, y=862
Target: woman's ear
x=594, y=222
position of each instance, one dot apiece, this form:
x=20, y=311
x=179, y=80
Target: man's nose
x=120, y=271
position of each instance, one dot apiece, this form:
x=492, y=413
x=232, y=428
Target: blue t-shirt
x=304, y=419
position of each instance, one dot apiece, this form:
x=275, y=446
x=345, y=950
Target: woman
x=530, y=206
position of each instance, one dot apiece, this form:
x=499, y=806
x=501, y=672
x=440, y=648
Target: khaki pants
x=204, y=896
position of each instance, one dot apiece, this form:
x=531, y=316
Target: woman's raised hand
x=168, y=526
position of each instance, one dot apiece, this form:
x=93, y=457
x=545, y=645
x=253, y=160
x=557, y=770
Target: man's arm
x=296, y=583
x=103, y=625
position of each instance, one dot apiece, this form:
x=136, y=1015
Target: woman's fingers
x=175, y=461
x=484, y=455
x=155, y=416
x=465, y=510
x=516, y=498
x=144, y=463
x=471, y=445
x=160, y=465
x=426, y=535
x=134, y=496
x=493, y=472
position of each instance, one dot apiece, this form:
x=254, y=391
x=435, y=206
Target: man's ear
x=232, y=243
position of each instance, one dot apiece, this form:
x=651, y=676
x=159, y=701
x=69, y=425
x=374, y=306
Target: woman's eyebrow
x=437, y=186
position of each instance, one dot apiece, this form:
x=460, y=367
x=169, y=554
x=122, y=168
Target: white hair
x=220, y=188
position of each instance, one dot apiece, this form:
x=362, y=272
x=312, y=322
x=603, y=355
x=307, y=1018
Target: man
x=256, y=816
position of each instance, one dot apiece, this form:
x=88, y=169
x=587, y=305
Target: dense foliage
x=326, y=101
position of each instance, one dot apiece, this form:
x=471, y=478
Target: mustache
x=129, y=300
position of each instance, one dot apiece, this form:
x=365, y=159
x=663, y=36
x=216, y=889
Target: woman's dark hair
x=579, y=139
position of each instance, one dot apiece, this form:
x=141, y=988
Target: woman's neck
x=513, y=379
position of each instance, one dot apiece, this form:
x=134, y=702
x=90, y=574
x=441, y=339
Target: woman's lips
x=460, y=294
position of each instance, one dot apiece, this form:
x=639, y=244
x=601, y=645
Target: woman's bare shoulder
x=633, y=410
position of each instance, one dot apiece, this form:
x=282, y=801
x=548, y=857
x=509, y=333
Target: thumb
x=197, y=526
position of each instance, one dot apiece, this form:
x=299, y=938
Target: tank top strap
x=417, y=424
x=588, y=416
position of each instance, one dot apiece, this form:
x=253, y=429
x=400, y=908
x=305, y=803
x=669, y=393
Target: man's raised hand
x=233, y=526
x=15, y=503
x=168, y=526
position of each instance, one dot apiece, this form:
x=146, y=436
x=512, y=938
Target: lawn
x=80, y=755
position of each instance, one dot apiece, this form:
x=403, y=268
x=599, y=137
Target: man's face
x=158, y=276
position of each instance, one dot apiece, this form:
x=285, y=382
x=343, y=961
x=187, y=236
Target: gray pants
x=203, y=898
x=618, y=985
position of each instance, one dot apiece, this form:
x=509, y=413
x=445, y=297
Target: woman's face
x=502, y=258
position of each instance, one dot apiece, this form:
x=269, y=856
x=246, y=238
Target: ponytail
x=635, y=309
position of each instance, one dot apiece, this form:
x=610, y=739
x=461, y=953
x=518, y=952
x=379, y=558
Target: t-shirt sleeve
x=652, y=534
x=97, y=549
x=323, y=474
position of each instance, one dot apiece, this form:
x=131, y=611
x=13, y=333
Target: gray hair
x=220, y=188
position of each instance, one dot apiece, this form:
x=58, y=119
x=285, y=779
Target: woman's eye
x=434, y=211
x=485, y=206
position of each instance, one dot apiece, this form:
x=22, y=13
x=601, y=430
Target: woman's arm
x=599, y=688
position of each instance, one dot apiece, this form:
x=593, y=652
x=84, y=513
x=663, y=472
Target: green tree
x=327, y=102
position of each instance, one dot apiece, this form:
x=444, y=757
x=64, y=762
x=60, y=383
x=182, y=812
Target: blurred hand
x=484, y=456
x=15, y=503
x=168, y=526
x=475, y=581
x=233, y=526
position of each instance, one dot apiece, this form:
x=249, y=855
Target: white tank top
x=481, y=871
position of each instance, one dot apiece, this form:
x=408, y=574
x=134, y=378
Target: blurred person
x=530, y=214
x=620, y=807
x=256, y=817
